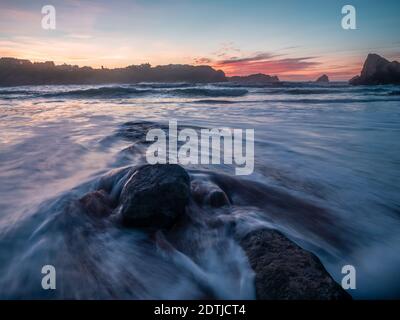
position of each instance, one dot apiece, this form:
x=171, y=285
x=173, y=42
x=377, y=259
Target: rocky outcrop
x=97, y=203
x=254, y=79
x=323, y=79
x=377, y=70
x=14, y=72
x=284, y=271
x=154, y=196
x=209, y=194
x=160, y=196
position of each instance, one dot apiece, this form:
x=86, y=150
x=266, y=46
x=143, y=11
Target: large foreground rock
x=286, y=271
x=154, y=196
x=378, y=70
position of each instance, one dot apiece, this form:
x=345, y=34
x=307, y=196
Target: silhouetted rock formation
x=23, y=72
x=378, y=70
x=323, y=79
x=254, y=79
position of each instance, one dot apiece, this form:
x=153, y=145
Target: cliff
x=377, y=70
x=23, y=72
x=254, y=79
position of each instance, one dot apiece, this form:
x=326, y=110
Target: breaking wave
x=116, y=92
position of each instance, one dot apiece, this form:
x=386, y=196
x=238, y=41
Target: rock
x=286, y=271
x=323, y=79
x=97, y=203
x=207, y=193
x=154, y=196
x=254, y=79
x=16, y=72
x=377, y=70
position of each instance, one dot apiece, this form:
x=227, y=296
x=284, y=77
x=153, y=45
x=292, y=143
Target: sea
x=326, y=174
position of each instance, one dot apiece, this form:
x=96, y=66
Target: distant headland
x=24, y=72
x=15, y=72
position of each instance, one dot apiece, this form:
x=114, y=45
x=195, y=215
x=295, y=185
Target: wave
x=102, y=92
x=328, y=90
x=213, y=101
x=210, y=92
x=302, y=91
x=303, y=101
x=126, y=92
x=153, y=85
x=328, y=101
x=214, y=91
x=11, y=92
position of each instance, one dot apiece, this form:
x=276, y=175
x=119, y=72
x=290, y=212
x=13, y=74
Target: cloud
x=233, y=61
x=267, y=63
x=203, y=60
x=79, y=36
x=256, y=57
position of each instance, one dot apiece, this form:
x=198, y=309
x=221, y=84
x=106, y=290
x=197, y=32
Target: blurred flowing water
x=331, y=147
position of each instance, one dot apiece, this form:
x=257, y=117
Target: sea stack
x=322, y=79
x=254, y=79
x=377, y=70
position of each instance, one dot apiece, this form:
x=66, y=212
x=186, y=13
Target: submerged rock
x=206, y=193
x=286, y=271
x=154, y=196
x=97, y=203
x=322, y=79
x=377, y=70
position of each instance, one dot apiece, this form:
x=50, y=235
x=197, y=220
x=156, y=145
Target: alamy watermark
x=349, y=20
x=349, y=280
x=49, y=17
x=49, y=278
x=212, y=146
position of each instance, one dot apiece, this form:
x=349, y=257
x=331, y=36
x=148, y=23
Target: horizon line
x=94, y=67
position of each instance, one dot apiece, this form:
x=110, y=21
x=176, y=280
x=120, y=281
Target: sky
x=295, y=40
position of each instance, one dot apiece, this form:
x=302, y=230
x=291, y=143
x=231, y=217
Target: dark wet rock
x=154, y=196
x=286, y=271
x=323, y=79
x=377, y=70
x=206, y=193
x=217, y=198
x=97, y=203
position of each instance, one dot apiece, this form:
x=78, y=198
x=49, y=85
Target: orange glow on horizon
x=293, y=72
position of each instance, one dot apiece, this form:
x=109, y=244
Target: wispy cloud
x=235, y=62
x=257, y=57
x=79, y=36
x=273, y=66
x=203, y=61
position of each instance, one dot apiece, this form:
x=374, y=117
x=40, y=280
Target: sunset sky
x=296, y=40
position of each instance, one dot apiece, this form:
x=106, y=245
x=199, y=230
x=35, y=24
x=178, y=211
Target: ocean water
x=328, y=156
